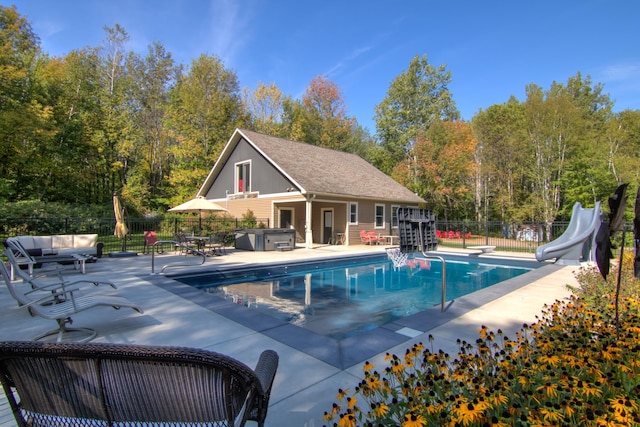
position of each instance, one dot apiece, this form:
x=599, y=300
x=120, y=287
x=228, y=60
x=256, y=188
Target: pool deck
x=311, y=370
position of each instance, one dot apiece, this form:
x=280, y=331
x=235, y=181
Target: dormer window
x=243, y=177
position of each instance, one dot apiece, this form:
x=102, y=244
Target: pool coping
x=349, y=351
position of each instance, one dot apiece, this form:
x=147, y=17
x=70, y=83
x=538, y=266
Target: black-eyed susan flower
x=412, y=420
x=347, y=420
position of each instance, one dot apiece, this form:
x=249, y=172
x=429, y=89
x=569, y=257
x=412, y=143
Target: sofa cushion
x=27, y=242
x=61, y=241
x=42, y=242
x=85, y=240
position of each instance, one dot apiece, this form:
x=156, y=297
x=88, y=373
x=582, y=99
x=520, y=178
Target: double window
x=243, y=177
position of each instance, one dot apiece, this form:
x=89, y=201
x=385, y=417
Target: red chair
x=150, y=238
x=450, y=234
x=375, y=238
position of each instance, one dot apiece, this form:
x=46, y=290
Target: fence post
x=66, y=226
x=486, y=231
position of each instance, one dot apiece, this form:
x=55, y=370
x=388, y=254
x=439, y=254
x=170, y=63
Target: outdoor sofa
x=62, y=244
x=98, y=384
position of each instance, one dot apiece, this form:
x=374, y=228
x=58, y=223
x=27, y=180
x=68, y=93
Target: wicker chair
x=93, y=384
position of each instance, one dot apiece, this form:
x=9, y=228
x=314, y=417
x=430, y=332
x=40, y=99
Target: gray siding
x=265, y=178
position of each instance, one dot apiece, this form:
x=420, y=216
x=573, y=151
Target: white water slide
x=577, y=243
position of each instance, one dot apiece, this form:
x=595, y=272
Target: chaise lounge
x=72, y=384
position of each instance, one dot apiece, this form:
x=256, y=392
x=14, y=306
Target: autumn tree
x=320, y=118
x=441, y=169
x=264, y=107
x=416, y=99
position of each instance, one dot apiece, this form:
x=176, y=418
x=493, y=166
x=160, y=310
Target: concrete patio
x=306, y=382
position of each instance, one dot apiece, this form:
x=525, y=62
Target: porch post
x=308, y=238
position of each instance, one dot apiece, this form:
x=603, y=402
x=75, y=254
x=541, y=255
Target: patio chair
x=365, y=238
x=59, y=303
x=375, y=238
x=150, y=239
x=99, y=384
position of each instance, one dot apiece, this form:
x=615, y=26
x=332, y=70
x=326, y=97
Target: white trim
x=235, y=177
x=349, y=213
x=322, y=227
x=375, y=216
x=391, y=218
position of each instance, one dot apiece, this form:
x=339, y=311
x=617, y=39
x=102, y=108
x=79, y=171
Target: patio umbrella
x=198, y=204
x=121, y=228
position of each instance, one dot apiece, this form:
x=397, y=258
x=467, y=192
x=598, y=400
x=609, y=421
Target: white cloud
x=621, y=72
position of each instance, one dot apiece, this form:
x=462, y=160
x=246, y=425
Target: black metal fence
x=165, y=228
x=524, y=237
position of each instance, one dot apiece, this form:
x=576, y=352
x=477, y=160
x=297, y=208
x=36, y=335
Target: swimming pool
x=343, y=298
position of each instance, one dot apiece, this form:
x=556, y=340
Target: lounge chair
x=36, y=283
x=59, y=303
x=97, y=384
x=369, y=238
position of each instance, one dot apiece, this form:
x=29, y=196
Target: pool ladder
x=175, y=244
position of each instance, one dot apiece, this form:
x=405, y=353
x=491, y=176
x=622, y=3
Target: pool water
x=340, y=299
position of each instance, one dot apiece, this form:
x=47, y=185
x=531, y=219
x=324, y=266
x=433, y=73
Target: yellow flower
x=411, y=420
x=351, y=401
x=381, y=409
x=347, y=420
x=374, y=382
x=550, y=415
x=397, y=368
x=368, y=366
x=342, y=394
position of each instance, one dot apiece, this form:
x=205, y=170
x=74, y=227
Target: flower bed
x=574, y=366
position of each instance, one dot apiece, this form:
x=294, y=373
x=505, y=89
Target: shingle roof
x=330, y=172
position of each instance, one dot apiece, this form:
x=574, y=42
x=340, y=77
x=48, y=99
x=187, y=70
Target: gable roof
x=318, y=170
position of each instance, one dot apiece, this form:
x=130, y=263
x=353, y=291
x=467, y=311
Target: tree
x=149, y=154
x=415, y=100
x=206, y=107
x=501, y=158
x=441, y=169
x=264, y=106
x=20, y=112
x=321, y=116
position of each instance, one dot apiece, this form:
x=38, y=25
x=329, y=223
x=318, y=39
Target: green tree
x=21, y=113
x=206, y=107
x=415, y=100
x=149, y=154
x=501, y=158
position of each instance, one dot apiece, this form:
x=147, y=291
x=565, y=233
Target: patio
x=304, y=386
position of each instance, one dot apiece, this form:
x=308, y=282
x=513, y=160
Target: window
x=243, y=177
x=353, y=213
x=379, y=216
x=394, y=216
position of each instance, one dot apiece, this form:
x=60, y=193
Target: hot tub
x=265, y=239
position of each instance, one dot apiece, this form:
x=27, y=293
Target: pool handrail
x=179, y=244
x=444, y=267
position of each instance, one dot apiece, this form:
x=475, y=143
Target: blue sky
x=492, y=48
